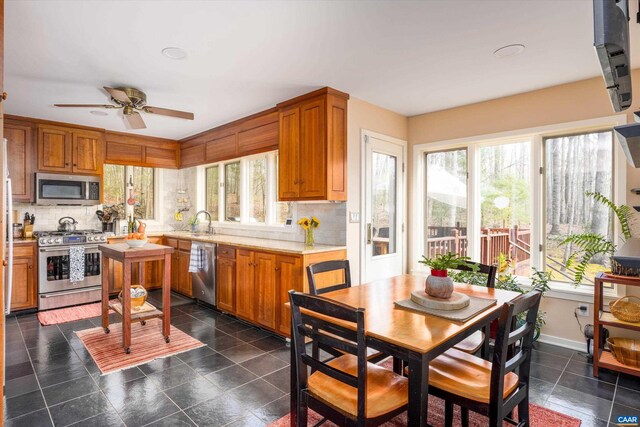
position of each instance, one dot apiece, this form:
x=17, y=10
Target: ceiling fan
x=132, y=101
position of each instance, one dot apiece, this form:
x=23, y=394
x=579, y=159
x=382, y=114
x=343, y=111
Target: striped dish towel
x=196, y=261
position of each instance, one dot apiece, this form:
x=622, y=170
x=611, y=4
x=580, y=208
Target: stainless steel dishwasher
x=204, y=280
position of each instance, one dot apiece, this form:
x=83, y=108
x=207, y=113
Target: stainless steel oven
x=55, y=289
x=59, y=189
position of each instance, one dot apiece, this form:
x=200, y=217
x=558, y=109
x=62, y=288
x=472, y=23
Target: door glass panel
x=383, y=200
x=505, y=193
x=446, y=205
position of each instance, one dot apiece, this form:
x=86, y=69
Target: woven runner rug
x=69, y=314
x=147, y=344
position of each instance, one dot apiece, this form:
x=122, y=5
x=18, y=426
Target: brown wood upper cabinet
x=138, y=150
x=313, y=147
x=20, y=159
x=69, y=150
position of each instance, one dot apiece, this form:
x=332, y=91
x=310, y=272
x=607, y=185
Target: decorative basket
x=625, y=350
x=138, y=296
x=629, y=311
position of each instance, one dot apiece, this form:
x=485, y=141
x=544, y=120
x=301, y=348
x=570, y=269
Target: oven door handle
x=75, y=291
x=66, y=249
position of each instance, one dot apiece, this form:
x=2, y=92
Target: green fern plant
x=622, y=212
x=591, y=244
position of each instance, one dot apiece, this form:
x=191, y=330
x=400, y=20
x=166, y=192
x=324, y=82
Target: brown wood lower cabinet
x=225, y=284
x=254, y=285
x=25, y=283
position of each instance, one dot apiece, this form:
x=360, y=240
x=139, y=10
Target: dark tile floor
x=240, y=378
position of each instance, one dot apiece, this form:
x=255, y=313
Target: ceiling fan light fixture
x=174, y=53
x=509, y=50
x=98, y=113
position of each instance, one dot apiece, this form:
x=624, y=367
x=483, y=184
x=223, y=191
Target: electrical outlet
x=583, y=310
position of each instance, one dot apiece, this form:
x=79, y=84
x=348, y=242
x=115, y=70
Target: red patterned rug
x=69, y=314
x=539, y=416
x=147, y=344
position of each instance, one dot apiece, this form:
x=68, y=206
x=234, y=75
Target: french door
x=384, y=201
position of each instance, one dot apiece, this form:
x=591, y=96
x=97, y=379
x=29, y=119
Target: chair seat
x=471, y=344
x=466, y=375
x=386, y=391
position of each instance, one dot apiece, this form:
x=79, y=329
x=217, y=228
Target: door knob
x=369, y=234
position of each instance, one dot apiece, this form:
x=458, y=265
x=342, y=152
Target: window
x=446, y=205
x=117, y=190
x=257, y=174
x=505, y=210
x=523, y=197
x=575, y=165
x=232, y=192
x=249, y=191
x=212, y=176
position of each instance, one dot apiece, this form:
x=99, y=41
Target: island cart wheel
x=127, y=350
x=143, y=323
x=106, y=330
x=167, y=339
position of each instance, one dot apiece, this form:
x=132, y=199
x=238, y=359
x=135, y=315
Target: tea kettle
x=67, y=226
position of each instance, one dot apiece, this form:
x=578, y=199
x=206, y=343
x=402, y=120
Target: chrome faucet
x=210, y=227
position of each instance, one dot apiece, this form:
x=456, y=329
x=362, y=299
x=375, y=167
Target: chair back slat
x=327, y=267
x=330, y=341
x=323, y=329
x=315, y=364
x=489, y=270
x=523, y=307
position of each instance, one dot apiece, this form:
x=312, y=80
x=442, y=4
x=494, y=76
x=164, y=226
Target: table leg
x=141, y=273
x=418, y=390
x=166, y=297
x=105, y=294
x=126, y=306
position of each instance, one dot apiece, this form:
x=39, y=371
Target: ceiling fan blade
x=134, y=120
x=86, y=105
x=169, y=112
x=118, y=94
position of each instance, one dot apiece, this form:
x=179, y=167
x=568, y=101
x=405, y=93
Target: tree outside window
x=117, y=191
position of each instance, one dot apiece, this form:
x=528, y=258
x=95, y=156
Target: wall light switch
x=354, y=216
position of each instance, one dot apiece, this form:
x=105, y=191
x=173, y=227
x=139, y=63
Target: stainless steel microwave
x=69, y=190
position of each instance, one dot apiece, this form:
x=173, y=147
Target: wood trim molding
x=323, y=91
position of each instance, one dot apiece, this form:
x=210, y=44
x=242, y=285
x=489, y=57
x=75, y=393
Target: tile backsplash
x=47, y=216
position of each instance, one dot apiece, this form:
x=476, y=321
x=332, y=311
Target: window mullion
x=538, y=217
x=474, y=202
x=244, y=191
x=271, y=197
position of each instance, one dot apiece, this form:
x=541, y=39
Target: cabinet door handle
x=75, y=164
x=295, y=181
x=277, y=268
x=30, y=267
x=4, y=96
x=302, y=181
x=66, y=164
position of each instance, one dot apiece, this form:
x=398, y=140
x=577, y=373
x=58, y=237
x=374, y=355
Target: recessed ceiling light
x=98, y=113
x=174, y=53
x=509, y=50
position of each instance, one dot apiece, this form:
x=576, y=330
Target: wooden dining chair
x=335, y=267
x=491, y=388
x=348, y=389
x=475, y=342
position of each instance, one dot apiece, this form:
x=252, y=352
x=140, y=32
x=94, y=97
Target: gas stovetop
x=62, y=238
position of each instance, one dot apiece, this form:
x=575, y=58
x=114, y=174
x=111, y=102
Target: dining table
x=410, y=336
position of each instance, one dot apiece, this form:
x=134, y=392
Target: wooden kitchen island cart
x=604, y=358
x=121, y=252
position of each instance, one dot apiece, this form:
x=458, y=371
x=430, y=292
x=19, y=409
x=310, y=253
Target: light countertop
x=298, y=248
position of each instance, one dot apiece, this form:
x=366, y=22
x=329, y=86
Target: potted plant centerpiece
x=439, y=284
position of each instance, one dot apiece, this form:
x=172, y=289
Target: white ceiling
x=243, y=57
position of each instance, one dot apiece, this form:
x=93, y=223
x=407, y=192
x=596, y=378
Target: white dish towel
x=76, y=263
x=196, y=261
